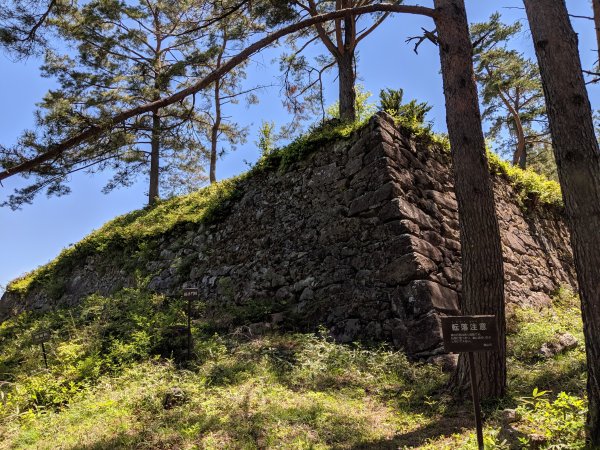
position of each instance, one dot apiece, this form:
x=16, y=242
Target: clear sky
x=36, y=234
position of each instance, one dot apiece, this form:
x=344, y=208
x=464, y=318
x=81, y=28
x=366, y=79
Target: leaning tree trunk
x=482, y=270
x=578, y=161
x=520, y=153
x=153, y=193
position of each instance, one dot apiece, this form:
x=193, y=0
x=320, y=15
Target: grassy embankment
x=110, y=366
x=110, y=373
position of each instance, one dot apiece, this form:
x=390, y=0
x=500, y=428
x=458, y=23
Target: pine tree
x=124, y=54
x=23, y=24
x=39, y=158
x=215, y=127
x=303, y=82
x=511, y=91
x=578, y=161
x=481, y=250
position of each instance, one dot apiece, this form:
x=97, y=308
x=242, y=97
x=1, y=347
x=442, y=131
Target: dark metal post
x=190, y=294
x=189, y=318
x=476, y=405
x=44, y=353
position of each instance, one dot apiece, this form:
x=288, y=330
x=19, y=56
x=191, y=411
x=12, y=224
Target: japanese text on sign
x=191, y=293
x=470, y=333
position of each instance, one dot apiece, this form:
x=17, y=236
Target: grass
x=134, y=234
x=528, y=329
x=532, y=189
x=109, y=375
x=282, y=159
x=112, y=362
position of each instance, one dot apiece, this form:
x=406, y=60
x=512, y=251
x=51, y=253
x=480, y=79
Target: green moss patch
x=531, y=187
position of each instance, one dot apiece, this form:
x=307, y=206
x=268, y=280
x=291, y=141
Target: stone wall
x=361, y=237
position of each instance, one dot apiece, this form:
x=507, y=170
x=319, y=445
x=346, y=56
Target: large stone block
x=406, y=268
x=400, y=208
x=408, y=243
x=424, y=336
x=423, y=296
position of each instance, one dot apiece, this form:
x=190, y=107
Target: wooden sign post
x=39, y=338
x=190, y=294
x=471, y=334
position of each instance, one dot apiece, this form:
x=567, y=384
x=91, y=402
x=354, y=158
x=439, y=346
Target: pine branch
x=96, y=130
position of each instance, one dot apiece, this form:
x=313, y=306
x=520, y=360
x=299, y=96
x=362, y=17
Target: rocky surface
x=361, y=237
x=562, y=343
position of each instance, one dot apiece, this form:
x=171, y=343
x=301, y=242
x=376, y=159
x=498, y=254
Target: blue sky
x=36, y=234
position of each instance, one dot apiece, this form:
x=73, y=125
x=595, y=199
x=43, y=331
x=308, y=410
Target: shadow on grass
x=565, y=374
x=443, y=427
x=123, y=440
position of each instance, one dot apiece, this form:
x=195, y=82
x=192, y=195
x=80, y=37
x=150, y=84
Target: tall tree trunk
x=346, y=86
x=482, y=269
x=578, y=161
x=520, y=154
x=153, y=193
x=214, y=133
x=345, y=62
x=596, y=6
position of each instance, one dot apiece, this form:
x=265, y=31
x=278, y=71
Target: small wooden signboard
x=39, y=337
x=471, y=334
x=191, y=293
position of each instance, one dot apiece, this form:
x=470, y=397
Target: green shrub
x=528, y=329
x=556, y=423
x=364, y=109
x=318, y=136
x=408, y=116
x=100, y=336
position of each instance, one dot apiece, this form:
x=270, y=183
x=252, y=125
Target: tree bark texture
x=153, y=192
x=347, y=78
x=519, y=155
x=578, y=161
x=482, y=266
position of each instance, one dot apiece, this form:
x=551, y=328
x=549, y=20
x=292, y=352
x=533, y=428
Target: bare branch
x=427, y=35
x=40, y=22
x=580, y=17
